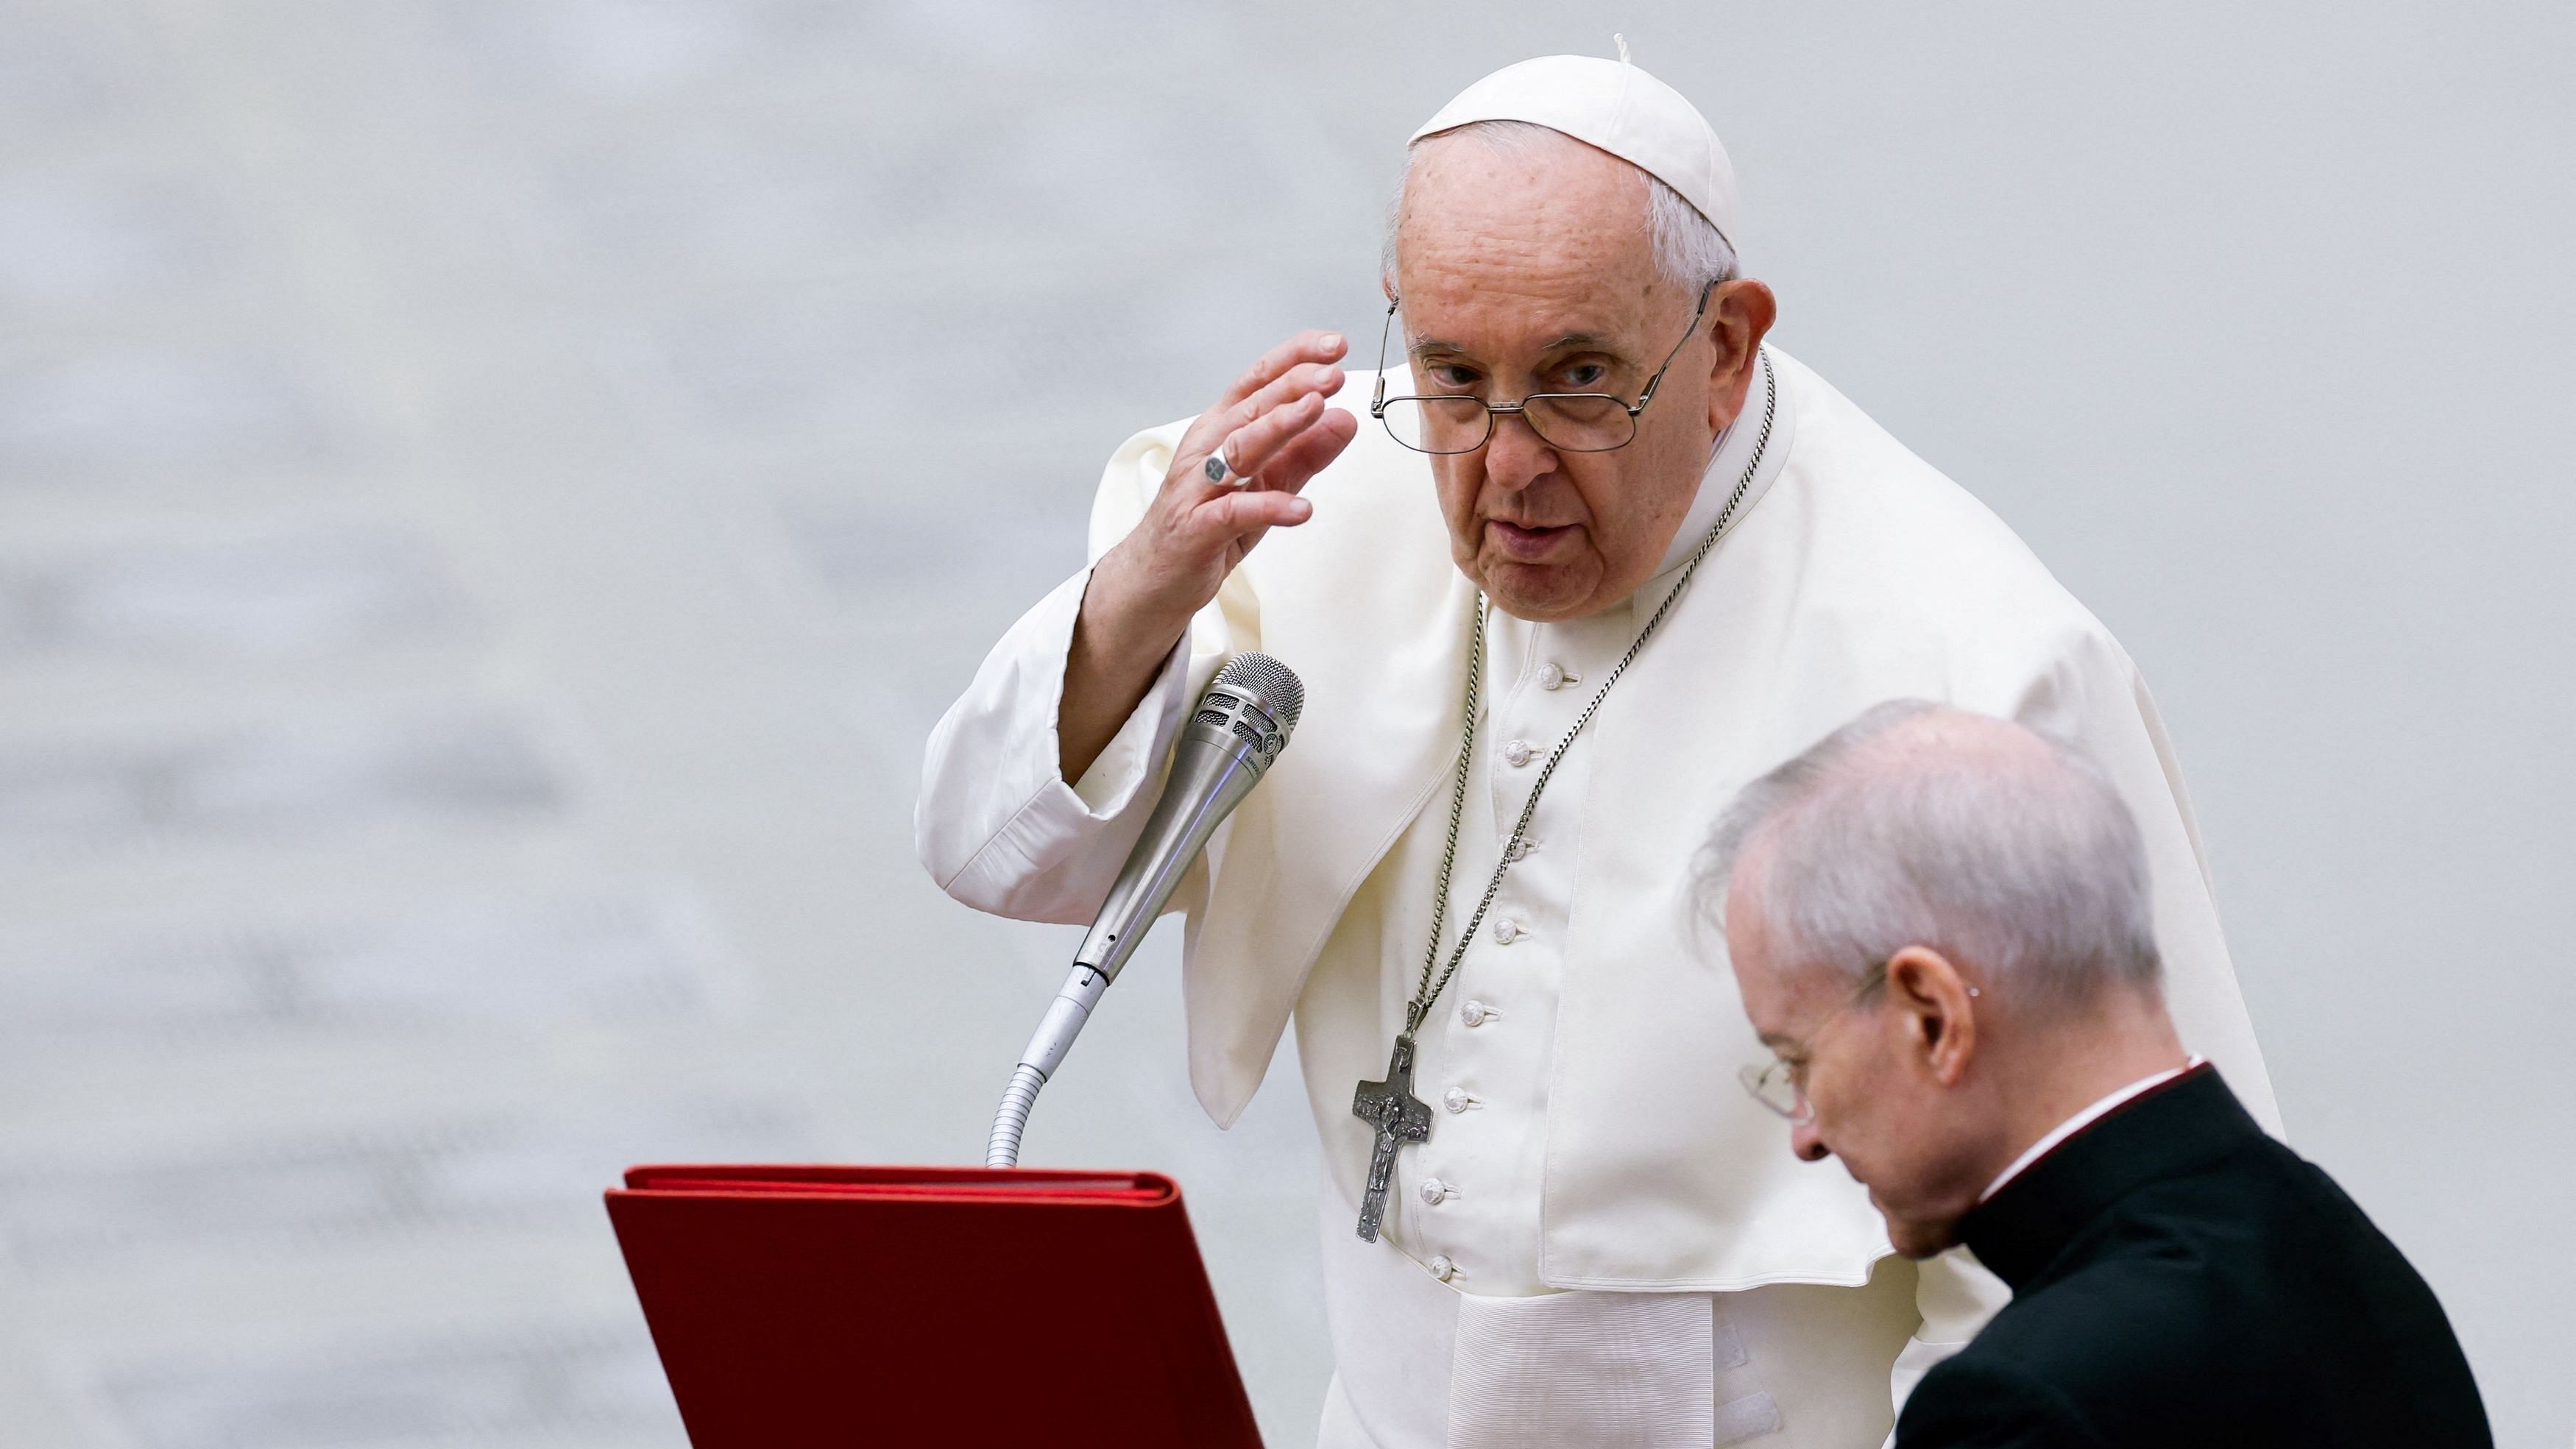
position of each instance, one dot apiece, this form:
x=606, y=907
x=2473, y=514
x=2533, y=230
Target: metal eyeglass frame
x=1493, y=410
x=1760, y=1081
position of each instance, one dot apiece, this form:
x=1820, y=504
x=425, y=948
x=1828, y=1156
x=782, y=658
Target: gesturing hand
x=1277, y=433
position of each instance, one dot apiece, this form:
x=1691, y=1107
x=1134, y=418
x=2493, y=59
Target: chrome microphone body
x=1232, y=738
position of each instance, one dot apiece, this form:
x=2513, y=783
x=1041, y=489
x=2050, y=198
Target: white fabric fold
x=1613, y=1370
x=996, y=824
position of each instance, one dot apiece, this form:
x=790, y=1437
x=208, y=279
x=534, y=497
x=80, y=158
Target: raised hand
x=1277, y=433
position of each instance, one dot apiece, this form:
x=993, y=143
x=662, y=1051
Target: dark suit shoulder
x=2275, y=1239
x=2124, y=1339
x=1984, y=1401
x=2242, y=1300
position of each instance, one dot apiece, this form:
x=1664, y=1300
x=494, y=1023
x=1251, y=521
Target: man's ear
x=1740, y=316
x=1939, y=1007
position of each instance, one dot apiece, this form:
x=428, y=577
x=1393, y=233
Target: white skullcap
x=1615, y=106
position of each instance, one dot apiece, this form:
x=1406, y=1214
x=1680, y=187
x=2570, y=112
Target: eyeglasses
x=1782, y=1085
x=1576, y=422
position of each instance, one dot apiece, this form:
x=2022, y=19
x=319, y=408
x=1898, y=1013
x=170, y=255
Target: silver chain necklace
x=1390, y=1105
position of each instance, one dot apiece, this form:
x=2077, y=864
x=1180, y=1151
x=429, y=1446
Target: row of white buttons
x=1456, y=1099
x=1516, y=753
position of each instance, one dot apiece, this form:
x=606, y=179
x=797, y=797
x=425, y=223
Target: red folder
x=797, y=1306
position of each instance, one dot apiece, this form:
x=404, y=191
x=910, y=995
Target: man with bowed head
x=1585, y=554
x=1939, y=924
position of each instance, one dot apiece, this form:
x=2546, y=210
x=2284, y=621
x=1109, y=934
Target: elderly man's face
x=1878, y=1102
x=1525, y=272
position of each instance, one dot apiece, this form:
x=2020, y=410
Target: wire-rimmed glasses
x=1781, y=1084
x=1575, y=422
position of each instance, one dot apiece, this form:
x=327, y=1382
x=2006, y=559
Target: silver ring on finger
x=1219, y=469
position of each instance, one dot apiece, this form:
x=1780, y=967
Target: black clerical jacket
x=2181, y=1279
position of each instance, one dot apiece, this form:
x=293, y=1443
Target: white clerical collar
x=2082, y=1120
x=1727, y=463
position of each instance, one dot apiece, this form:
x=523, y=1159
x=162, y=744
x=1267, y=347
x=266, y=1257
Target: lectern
x=797, y=1306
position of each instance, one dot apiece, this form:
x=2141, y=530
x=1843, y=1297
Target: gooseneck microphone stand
x=1237, y=732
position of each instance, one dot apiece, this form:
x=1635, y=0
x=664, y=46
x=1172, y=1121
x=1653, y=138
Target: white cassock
x=1604, y=1241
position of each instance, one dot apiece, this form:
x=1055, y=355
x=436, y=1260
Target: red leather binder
x=797, y=1306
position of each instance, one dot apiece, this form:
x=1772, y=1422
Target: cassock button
x=1516, y=753
x=1434, y=1190
x=1507, y=931
x=1551, y=676
x=1456, y=1099
x=1477, y=1013
x=1441, y=1268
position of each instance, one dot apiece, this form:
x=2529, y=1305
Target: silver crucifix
x=1399, y=1117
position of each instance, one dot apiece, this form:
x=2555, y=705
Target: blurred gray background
x=493, y=494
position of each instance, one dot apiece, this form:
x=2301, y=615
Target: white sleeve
x=1956, y=1295
x=996, y=825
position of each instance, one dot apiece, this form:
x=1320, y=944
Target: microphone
x=1232, y=739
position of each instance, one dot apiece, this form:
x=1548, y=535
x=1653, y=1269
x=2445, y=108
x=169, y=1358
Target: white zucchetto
x=1613, y=105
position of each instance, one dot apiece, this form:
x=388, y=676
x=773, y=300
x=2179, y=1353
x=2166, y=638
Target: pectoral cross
x=1399, y=1117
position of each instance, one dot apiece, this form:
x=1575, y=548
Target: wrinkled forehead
x=1534, y=239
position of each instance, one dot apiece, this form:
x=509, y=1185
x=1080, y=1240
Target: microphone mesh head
x=1275, y=685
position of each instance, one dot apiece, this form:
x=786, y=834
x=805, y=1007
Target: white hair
x=1689, y=250
x=1920, y=825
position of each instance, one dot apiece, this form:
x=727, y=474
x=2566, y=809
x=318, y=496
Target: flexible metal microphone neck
x=1238, y=731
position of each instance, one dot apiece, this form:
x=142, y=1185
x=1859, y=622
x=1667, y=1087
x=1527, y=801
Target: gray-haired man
x=1940, y=924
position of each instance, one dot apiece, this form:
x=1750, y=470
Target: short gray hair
x=1920, y=825
x=1689, y=249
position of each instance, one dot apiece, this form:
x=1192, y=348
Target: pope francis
x=1587, y=558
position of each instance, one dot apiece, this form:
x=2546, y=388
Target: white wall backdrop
x=494, y=492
